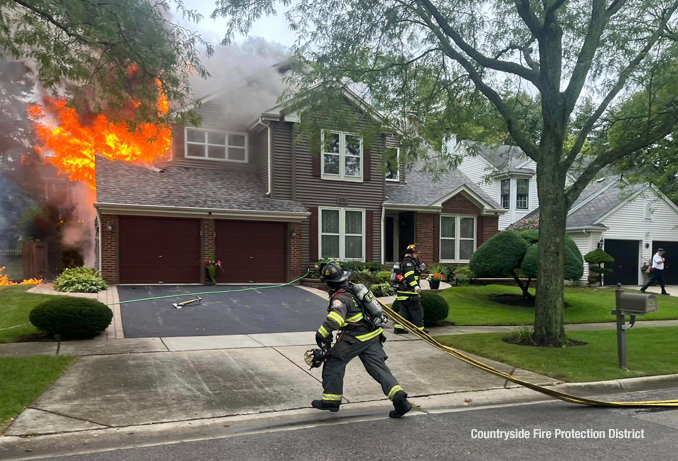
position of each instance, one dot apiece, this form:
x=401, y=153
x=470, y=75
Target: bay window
x=342, y=234
x=506, y=193
x=216, y=145
x=522, y=194
x=342, y=156
x=457, y=238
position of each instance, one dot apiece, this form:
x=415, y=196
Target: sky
x=271, y=28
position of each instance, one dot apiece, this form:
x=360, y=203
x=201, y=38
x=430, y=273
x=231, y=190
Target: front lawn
x=470, y=305
x=651, y=351
x=24, y=379
x=15, y=307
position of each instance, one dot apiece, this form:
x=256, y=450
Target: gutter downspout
x=98, y=238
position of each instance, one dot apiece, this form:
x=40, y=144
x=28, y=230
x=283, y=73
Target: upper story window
x=216, y=145
x=393, y=164
x=648, y=211
x=506, y=193
x=522, y=194
x=342, y=234
x=342, y=156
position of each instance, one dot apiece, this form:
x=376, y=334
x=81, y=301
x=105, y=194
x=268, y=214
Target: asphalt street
x=266, y=310
x=553, y=430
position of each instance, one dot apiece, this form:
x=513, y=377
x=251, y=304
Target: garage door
x=671, y=264
x=159, y=250
x=626, y=268
x=254, y=252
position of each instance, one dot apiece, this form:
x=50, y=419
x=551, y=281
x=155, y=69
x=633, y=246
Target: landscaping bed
x=15, y=307
x=471, y=305
x=651, y=351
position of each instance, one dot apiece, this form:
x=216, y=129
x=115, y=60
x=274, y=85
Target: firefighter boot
x=401, y=405
x=322, y=405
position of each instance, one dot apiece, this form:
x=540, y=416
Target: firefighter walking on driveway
x=360, y=335
x=409, y=290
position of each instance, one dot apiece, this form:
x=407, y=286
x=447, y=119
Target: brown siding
x=259, y=148
x=109, y=249
x=282, y=160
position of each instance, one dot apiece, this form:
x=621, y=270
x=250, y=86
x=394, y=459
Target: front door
x=625, y=268
x=389, y=238
x=406, y=231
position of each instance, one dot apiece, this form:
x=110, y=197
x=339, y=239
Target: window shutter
x=369, y=235
x=436, y=238
x=178, y=141
x=314, y=233
x=367, y=160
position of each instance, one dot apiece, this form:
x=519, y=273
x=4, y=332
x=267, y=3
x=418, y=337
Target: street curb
x=643, y=383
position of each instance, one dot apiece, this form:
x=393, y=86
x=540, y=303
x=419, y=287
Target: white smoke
x=79, y=232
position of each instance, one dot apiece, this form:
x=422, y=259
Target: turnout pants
x=372, y=355
x=412, y=310
x=656, y=278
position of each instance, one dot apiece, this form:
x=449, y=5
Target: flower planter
x=435, y=284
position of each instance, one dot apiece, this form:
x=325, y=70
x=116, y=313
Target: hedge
x=71, y=317
x=436, y=308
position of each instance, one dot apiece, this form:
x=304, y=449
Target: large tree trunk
x=549, y=306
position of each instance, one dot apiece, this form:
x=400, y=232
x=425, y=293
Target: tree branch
x=613, y=155
x=521, y=138
x=485, y=61
x=623, y=77
x=531, y=20
x=554, y=6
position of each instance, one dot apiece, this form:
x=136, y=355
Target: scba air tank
x=366, y=298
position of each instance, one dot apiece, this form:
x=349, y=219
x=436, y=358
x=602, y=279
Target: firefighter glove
x=321, y=341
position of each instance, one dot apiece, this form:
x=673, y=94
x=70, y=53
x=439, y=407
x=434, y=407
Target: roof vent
x=342, y=201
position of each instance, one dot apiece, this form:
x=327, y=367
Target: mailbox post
x=631, y=304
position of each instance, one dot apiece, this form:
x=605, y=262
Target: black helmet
x=332, y=272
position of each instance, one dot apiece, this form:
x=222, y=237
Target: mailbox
x=636, y=304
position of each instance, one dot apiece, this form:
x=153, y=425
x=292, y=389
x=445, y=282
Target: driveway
x=269, y=310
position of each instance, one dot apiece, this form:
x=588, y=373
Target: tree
x=598, y=257
x=112, y=51
x=581, y=58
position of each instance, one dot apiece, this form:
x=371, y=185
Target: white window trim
x=397, y=178
x=206, y=144
x=342, y=157
x=527, y=196
x=457, y=237
x=342, y=232
x=648, y=212
x=501, y=193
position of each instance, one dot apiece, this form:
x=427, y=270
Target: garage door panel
x=156, y=250
x=626, y=268
x=261, y=248
x=671, y=264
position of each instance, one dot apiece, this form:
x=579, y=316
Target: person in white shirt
x=657, y=273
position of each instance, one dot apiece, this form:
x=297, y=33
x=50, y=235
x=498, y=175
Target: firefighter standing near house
x=353, y=311
x=409, y=290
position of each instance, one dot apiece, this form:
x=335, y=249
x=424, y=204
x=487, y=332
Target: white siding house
x=505, y=173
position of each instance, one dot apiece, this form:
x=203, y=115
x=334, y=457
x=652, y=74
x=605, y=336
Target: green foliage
x=80, y=280
x=598, y=256
x=93, y=46
x=71, y=317
x=364, y=277
x=359, y=265
x=382, y=289
x=436, y=308
x=574, y=268
x=499, y=255
x=601, y=270
x=383, y=276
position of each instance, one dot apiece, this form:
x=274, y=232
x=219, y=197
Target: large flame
x=71, y=145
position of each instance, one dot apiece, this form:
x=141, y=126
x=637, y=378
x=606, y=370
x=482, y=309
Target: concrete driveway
x=265, y=310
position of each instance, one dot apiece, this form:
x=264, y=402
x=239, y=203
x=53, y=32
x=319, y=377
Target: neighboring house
x=242, y=188
x=629, y=221
x=504, y=173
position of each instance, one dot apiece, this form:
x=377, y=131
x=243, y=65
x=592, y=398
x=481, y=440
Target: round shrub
x=499, y=255
x=435, y=306
x=573, y=265
x=80, y=280
x=71, y=317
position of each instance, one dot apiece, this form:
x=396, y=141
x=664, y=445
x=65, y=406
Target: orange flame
x=5, y=281
x=72, y=146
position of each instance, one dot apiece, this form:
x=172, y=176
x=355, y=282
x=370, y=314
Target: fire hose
x=485, y=367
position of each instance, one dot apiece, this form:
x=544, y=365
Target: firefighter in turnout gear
x=408, y=292
x=355, y=338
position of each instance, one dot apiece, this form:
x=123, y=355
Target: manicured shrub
x=596, y=259
x=71, y=317
x=501, y=254
x=573, y=266
x=436, y=308
x=80, y=280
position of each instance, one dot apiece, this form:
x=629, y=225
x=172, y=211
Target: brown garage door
x=253, y=252
x=159, y=250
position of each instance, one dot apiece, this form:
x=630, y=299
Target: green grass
x=15, y=307
x=24, y=379
x=651, y=351
x=471, y=305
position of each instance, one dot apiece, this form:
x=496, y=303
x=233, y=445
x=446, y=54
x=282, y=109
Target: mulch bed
x=528, y=342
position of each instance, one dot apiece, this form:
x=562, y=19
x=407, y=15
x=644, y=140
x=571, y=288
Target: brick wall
x=460, y=205
x=425, y=237
x=490, y=228
x=208, y=244
x=296, y=249
x=109, y=249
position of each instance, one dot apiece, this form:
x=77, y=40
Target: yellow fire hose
x=483, y=366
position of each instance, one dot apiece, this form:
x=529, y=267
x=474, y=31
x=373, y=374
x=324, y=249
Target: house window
x=506, y=193
x=342, y=156
x=393, y=164
x=216, y=145
x=457, y=238
x=522, y=194
x=648, y=211
x=342, y=234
